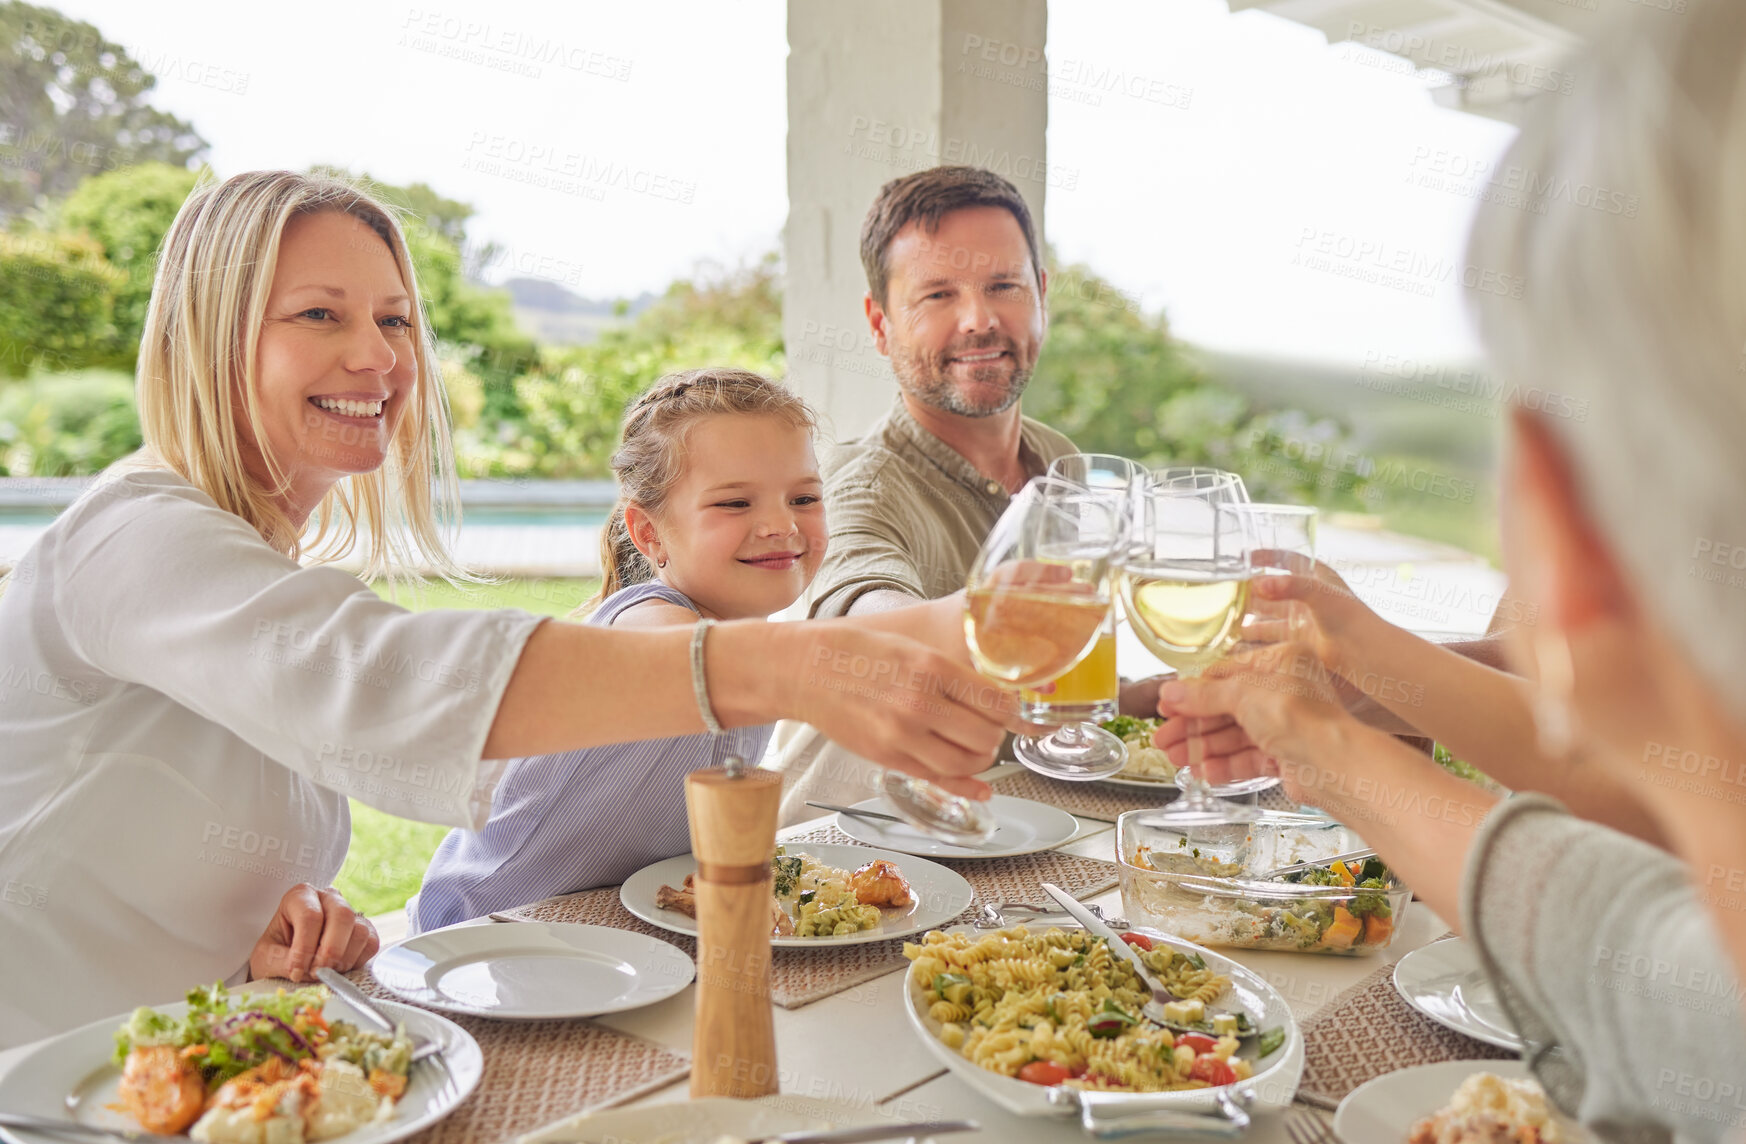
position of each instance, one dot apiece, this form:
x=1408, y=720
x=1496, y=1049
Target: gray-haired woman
x=1620, y=962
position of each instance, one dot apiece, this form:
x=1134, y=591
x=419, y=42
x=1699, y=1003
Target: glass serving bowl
x=1198, y=883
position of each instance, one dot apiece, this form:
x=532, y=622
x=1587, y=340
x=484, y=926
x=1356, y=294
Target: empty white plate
x=1444, y=981
x=533, y=970
x=1025, y=828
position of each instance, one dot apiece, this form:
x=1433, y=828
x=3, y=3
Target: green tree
x=1116, y=381
x=56, y=302
x=128, y=212
x=73, y=104
x=565, y=417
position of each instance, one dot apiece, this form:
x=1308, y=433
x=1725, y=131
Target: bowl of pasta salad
x=1022, y=1011
x=1202, y=885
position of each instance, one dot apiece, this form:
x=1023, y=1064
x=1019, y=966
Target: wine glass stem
x=1071, y=736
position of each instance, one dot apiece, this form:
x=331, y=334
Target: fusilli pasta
x=1006, y=999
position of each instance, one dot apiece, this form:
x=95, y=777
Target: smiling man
x=956, y=298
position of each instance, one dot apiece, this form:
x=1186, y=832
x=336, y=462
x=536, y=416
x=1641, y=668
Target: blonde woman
x=172, y=790
x=1620, y=962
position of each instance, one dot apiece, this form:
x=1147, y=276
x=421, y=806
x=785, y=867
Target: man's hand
x=313, y=929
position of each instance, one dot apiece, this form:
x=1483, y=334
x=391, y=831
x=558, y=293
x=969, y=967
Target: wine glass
x=1185, y=586
x=1036, y=599
x=1079, y=750
x=1281, y=539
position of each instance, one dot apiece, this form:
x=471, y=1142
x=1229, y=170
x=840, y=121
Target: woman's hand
x=1317, y=608
x=1263, y=710
x=894, y=701
x=313, y=929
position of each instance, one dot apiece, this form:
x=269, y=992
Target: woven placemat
x=1369, y=1030
x=801, y=976
x=1101, y=801
x=536, y=1072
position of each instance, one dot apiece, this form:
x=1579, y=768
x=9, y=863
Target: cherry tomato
x=1046, y=1073
x=1138, y=939
x=1212, y=1070
x=1197, y=1042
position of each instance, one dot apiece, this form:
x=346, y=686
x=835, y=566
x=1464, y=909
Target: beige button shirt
x=907, y=514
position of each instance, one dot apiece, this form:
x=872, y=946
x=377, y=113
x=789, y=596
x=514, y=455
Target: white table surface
x=857, y=1046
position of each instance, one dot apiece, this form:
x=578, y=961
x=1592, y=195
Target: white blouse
x=183, y=711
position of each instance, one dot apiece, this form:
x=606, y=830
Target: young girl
x=720, y=514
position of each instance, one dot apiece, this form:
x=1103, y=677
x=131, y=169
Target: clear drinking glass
x=1079, y=750
x=1281, y=539
x=1038, y=595
x=1185, y=586
x=1037, y=598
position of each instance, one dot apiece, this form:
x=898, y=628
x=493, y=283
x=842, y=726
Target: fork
x=1307, y=1127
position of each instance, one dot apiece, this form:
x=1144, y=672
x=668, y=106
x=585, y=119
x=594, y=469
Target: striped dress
x=573, y=821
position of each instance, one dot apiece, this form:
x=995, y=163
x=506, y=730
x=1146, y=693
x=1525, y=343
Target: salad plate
x=1384, y=1110
x=938, y=894
x=533, y=970
x=1025, y=827
x=1274, y=1083
x=1444, y=981
x=74, y=1077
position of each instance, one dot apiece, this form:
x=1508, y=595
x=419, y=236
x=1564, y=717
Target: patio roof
x=1495, y=55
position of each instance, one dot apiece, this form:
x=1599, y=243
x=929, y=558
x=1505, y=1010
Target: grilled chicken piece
x=881, y=883
x=683, y=899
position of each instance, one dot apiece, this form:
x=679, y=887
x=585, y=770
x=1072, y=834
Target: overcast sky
x=1230, y=210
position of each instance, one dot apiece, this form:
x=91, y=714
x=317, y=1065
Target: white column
x=876, y=91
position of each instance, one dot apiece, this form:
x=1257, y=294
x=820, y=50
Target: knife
x=1154, y=1009
x=880, y=815
x=919, y=1130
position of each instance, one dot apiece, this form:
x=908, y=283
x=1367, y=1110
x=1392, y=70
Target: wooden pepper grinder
x=733, y=834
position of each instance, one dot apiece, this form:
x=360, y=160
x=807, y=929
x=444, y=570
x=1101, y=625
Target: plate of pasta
x=1019, y=1011
x=822, y=894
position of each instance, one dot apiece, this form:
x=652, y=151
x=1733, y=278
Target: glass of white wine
x=1037, y=597
x=1088, y=694
x=1281, y=539
x=1185, y=586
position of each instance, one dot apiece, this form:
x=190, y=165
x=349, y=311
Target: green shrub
x=64, y=425
x=128, y=212
x=56, y=302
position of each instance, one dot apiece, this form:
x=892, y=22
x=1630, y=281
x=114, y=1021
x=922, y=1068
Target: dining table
x=856, y=1047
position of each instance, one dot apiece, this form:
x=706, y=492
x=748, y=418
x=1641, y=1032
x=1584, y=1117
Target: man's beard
x=923, y=376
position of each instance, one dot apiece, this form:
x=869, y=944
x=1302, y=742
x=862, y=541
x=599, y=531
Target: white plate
x=705, y=1121
x=1444, y=981
x=1274, y=1083
x=1025, y=828
x=533, y=970
x=940, y=894
x=71, y=1075
x=1384, y=1110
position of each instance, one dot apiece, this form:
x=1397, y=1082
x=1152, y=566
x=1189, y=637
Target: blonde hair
x=1632, y=316
x=197, y=378
x=650, y=458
